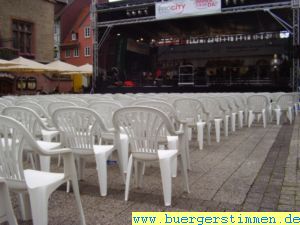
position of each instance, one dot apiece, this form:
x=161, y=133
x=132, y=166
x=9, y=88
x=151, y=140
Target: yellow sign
x=215, y=218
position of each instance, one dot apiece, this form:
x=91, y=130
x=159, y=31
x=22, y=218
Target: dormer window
x=74, y=36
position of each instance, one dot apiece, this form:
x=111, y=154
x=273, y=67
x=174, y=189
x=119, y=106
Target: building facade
x=77, y=46
x=27, y=26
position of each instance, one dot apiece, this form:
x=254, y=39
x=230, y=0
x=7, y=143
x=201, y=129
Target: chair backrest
x=58, y=105
x=224, y=104
x=79, y=126
x=124, y=99
x=106, y=110
x=212, y=106
x=35, y=107
x=257, y=103
x=143, y=126
x=5, y=102
x=240, y=102
x=27, y=117
x=13, y=138
x=285, y=101
x=168, y=109
x=79, y=102
x=45, y=103
x=2, y=106
x=189, y=109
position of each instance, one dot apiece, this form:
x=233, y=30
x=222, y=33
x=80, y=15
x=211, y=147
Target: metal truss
x=296, y=42
x=294, y=29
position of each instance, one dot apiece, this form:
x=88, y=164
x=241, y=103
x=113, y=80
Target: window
x=87, y=51
x=74, y=36
x=31, y=83
x=76, y=52
x=22, y=36
x=21, y=83
x=87, y=32
x=68, y=53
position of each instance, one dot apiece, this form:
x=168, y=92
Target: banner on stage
x=186, y=8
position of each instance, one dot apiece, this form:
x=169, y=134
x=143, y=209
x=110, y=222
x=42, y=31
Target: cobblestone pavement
x=254, y=169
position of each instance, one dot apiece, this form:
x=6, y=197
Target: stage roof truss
x=292, y=29
x=237, y=9
x=282, y=22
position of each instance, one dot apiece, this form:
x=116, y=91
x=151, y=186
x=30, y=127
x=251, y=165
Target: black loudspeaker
x=296, y=51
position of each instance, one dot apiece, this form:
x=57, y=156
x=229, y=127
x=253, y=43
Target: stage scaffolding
x=293, y=29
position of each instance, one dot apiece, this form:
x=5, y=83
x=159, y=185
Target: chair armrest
x=61, y=151
x=111, y=130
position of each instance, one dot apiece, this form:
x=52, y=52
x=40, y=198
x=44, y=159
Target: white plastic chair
x=105, y=110
x=164, y=137
x=43, y=114
x=216, y=116
x=2, y=106
x=6, y=209
x=38, y=184
x=227, y=113
x=80, y=127
x=284, y=103
x=193, y=113
x=257, y=105
x=33, y=123
x=58, y=105
x=143, y=126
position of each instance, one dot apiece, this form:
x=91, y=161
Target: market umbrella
x=6, y=63
x=86, y=68
x=63, y=67
x=26, y=66
x=32, y=64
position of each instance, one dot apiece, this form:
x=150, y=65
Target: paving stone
x=286, y=208
x=255, y=168
x=250, y=207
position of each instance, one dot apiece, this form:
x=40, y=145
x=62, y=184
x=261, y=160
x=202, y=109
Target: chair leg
x=165, y=169
x=218, y=129
x=184, y=166
x=32, y=162
x=69, y=163
x=277, y=112
x=241, y=119
x=173, y=144
x=208, y=133
x=39, y=205
x=45, y=163
x=187, y=147
x=290, y=114
x=226, y=121
x=24, y=204
x=5, y=205
x=200, y=131
x=128, y=176
x=264, y=116
x=190, y=134
x=101, y=160
x=124, y=142
x=233, y=120
x=250, y=118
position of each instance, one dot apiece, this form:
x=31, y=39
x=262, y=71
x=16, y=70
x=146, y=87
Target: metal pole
x=296, y=43
x=95, y=45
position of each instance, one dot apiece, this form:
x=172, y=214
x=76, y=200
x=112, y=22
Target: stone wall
x=38, y=12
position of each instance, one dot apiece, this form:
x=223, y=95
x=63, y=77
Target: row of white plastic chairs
x=222, y=106
x=185, y=111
